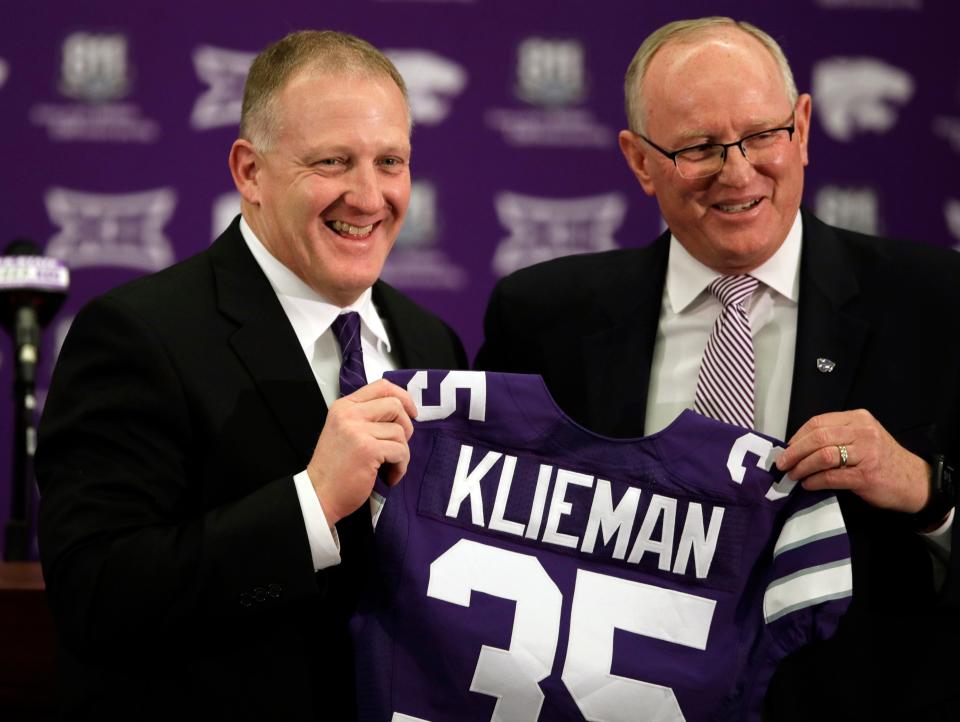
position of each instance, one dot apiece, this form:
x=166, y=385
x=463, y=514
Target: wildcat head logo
x=854, y=95
x=432, y=83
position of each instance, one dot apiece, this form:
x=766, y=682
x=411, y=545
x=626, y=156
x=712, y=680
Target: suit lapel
x=617, y=358
x=407, y=341
x=826, y=326
x=266, y=344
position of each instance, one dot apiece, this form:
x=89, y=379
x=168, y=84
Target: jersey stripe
x=807, y=587
x=820, y=521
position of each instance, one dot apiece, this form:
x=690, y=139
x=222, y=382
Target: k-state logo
x=98, y=229
x=550, y=72
x=225, y=71
x=432, y=83
x=94, y=67
x=855, y=95
x=545, y=228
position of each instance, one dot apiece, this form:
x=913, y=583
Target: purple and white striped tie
x=346, y=327
x=725, y=385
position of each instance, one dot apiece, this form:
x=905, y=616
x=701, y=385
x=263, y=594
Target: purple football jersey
x=528, y=569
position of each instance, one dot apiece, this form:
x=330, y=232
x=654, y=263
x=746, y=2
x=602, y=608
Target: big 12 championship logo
x=94, y=66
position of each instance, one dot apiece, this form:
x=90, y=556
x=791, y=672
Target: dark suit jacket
x=171, y=537
x=887, y=313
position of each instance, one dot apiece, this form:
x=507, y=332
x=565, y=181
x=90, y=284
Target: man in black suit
x=201, y=545
x=856, y=342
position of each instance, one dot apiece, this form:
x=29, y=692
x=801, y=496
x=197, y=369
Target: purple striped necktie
x=346, y=327
x=725, y=385
x=355, y=530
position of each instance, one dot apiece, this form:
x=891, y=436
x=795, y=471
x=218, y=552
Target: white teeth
x=342, y=227
x=738, y=208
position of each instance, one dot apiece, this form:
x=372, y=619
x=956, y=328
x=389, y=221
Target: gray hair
x=317, y=50
x=682, y=30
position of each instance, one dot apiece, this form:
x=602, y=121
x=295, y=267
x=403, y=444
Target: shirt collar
x=687, y=277
x=309, y=312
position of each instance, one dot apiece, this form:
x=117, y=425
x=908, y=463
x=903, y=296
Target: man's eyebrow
x=754, y=127
x=321, y=151
x=399, y=149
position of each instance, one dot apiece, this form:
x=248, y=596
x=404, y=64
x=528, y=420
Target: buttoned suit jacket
x=886, y=313
x=171, y=536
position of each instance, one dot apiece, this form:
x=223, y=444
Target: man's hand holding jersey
x=852, y=450
x=363, y=431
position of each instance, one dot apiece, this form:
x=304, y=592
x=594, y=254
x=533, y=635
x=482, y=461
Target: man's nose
x=736, y=170
x=364, y=192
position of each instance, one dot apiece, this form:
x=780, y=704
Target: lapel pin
x=825, y=365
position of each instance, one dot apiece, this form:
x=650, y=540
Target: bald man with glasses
x=847, y=346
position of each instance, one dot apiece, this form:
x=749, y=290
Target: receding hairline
x=307, y=53
x=689, y=32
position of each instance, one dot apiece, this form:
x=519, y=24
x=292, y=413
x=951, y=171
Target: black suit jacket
x=171, y=537
x=886, y=313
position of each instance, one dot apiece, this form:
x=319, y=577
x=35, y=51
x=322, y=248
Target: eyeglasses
x=707, y=159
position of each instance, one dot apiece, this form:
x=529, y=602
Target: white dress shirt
x=311, y=317
x=687, y=315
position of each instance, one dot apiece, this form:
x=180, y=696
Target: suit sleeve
x=132, y=550
x=501, y=350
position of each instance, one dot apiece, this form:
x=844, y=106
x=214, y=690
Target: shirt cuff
x=941, y=538
x=324, y=541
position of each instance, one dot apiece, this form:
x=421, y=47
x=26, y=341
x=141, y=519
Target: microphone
x=32, y=289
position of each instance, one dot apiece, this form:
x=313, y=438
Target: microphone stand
x=17, y=534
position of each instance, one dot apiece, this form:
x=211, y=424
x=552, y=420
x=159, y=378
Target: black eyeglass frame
x=672, y=155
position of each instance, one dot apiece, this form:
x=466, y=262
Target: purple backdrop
x=117, y=119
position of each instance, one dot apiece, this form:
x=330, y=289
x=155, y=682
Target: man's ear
x=638, y=158
x=803, y=125
x=245, y=166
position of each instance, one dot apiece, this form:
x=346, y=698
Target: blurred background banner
x=116, y=119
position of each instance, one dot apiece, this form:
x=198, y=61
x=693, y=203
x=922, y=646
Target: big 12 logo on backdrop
x=111, y=229
x=545, y=228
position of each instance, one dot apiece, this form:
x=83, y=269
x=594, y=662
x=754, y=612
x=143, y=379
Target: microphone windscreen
x=24, y=274
x=30, y=279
